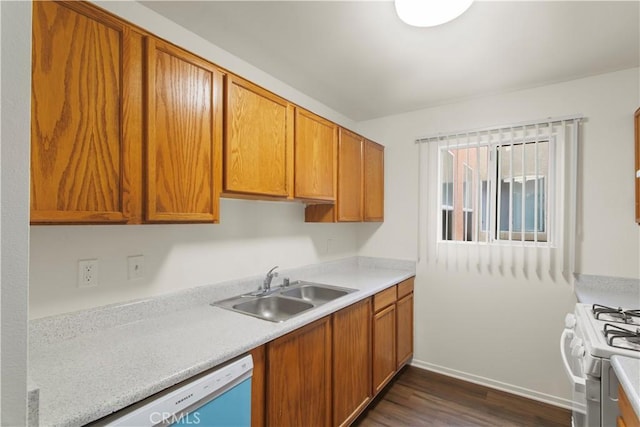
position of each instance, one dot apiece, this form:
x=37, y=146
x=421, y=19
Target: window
x=501, y=199
x=496, y=191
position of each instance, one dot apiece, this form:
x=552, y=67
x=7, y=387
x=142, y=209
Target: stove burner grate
x=615, y=314
x=618, y=337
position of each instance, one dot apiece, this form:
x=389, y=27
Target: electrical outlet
x=135, y=267
x=87, y=273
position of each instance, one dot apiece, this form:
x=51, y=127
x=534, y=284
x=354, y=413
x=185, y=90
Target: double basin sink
x=286, y=302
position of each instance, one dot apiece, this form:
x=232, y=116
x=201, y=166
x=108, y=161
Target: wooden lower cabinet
x=384, y=347
x=404, y=327
x=298, y=389
x=628, y=417
x=351, y=362
x=327, y=372
x=258, y=386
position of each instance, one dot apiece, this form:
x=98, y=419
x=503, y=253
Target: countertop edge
x=628, y=372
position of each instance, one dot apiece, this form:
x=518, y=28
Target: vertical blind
x=501, y=197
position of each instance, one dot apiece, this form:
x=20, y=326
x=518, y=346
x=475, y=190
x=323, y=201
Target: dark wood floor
x=423, y=398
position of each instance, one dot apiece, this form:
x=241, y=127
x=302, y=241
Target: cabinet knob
x=638, y=173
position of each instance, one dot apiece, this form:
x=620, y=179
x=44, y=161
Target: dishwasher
x=221, y=398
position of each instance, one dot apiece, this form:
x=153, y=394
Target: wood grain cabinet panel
x=384, y=347
x=404, y=335
x=384, y=298
x=637, y=170
x=184, y=132
x=85, y=116
x=258, y=386
x=315, y=146
x=258, y=146
x=351, y=362
x=404, y=322
x=373, y=171
x=349, y=177
x=360, y=183
x=628, y=416
x=299, y=377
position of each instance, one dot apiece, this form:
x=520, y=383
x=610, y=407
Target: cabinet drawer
x=405, y=287
x=384, y=298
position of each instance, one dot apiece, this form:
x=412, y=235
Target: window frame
x=495, y=236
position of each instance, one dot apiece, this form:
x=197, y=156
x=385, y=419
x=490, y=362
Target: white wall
x=251, y=238
x=15, y=42
x=508, y=333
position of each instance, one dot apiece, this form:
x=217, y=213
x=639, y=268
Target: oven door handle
x=578, y=382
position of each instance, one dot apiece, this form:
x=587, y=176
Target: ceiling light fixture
x=429, y=13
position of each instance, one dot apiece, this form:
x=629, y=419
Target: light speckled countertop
x=628, y=372
x=86, y=376
x=610, y=291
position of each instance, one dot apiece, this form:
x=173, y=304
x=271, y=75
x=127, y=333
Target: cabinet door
x=384, y=347
x=349, y=177
x=258, y=386
x=404, y=349
x=351, y=362
x=628, y=416
x=184, y=130
x=258, y=150
x=299, y=377
x=86, y=112
x=316, y=142
x=373, y=181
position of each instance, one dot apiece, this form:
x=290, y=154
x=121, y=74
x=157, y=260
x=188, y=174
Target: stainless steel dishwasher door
x=221, y=398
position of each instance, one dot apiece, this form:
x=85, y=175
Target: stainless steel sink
x=280, y=304
x=274, y=308
x=318, y=294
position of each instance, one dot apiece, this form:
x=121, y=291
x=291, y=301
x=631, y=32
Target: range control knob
x=577, y=350
x=570, y=321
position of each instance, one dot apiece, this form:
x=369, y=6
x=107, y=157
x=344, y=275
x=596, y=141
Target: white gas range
x=592, y=334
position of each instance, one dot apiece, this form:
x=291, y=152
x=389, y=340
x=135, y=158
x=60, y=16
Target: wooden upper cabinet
x=184, y=136
x=85, y=116
x=315, y=143
x=258, y=145
x=360, y=183
x=373, y=166
x=637, y=171
x=351, y=362
x=349, y=176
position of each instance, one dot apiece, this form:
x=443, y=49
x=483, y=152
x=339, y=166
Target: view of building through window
x=495, y=192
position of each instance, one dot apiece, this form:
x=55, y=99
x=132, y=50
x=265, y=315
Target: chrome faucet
x=266, y=285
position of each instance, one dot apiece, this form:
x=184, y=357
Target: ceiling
x=359, y=59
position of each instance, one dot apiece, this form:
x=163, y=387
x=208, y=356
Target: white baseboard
x=487, y=382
